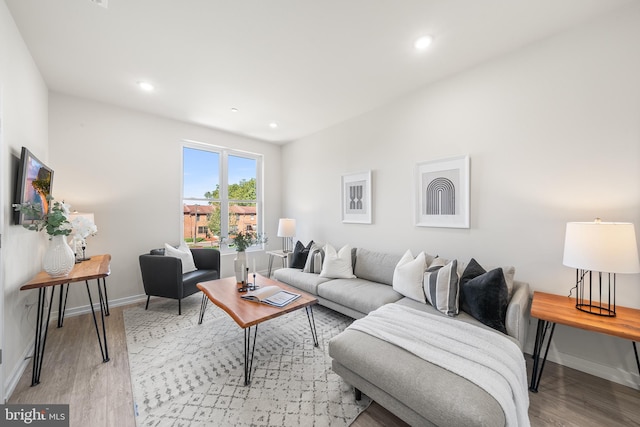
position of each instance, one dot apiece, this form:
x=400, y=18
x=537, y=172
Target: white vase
x=59, y=259
x=240, y=265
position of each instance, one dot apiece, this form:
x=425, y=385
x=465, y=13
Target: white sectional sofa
x=417, y=391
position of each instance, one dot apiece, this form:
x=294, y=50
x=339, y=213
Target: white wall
x=553, y=133
x=125, y=167
x=24, y=109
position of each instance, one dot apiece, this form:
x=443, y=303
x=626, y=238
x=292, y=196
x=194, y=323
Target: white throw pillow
x=184, y=254
x=408, y=276
x=337, y=265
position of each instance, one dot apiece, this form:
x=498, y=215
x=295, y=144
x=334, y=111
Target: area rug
x=185, y=374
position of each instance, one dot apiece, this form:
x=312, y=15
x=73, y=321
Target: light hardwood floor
x=99, y=394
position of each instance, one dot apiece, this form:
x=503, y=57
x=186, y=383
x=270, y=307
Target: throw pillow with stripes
x=314, y=260
x=441, y=287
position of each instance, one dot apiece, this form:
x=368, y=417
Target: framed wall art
x=442, y=193
x=356, y=198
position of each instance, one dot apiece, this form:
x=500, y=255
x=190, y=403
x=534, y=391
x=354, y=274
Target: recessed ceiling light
x=145, y=86
x=234, y=110
x=273, y=125
x=423, y=42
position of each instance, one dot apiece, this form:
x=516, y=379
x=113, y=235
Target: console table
x=95, y=268
x=554, y=309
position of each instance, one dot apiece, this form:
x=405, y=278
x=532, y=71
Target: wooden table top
x=94, y=268
x=224, y=293
x=562, y=309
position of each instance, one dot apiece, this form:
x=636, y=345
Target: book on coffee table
x=272, y=295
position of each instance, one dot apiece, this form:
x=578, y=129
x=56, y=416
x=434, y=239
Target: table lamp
x=604, y=248
x=287, y=229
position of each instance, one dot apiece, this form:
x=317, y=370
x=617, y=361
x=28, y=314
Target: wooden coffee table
x=248, y=315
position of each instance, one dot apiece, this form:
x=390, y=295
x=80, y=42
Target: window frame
x=224, y=201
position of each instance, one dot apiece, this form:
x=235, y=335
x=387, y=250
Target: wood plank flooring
x=99, y=394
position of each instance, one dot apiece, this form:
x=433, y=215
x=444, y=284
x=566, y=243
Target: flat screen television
x=33, y=184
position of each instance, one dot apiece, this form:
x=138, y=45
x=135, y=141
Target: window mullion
x=224, y=194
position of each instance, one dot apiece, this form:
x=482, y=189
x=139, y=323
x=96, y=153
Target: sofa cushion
x=361, y=295
x=408, y=276
x=441, y=287
x=375, y=266
x=307, y=282
x=337, y=265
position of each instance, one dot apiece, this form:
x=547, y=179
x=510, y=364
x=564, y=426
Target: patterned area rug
x=185, y=374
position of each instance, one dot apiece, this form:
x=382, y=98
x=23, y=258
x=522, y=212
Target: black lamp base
x=596, y=298
x=596, y=309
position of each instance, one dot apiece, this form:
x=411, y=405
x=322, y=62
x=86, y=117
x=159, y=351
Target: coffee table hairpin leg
x=203, y=307
x=312, y=325
x=248, y=360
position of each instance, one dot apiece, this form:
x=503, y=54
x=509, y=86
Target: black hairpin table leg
x=41, y=339
x=541, y=333
x=105, y=304
x=248, y=348
x=312, y=325
x=104, y=350
x=203, y=307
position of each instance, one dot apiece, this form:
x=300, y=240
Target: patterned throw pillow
x=441, y=287
x=314, y=259
x=300, y=254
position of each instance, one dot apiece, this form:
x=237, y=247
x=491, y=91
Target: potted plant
x=59, y=259
x=241, y=242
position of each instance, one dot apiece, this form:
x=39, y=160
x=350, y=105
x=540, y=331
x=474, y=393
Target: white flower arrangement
x=83, y=228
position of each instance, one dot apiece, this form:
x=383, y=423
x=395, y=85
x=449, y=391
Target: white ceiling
x=304, y=64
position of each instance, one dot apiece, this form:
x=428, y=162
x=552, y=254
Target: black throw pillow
x=485, y=297
x=472, y=270
x=300, y=254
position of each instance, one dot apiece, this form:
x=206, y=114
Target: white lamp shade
x=608, y=247
x=286, y=227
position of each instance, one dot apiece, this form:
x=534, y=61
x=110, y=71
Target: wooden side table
x=98, y=267
x=277, y=254
x=552, y=309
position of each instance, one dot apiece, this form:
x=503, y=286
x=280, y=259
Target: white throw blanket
x=486, y=358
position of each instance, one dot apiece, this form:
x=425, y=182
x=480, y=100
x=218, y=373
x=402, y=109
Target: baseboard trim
x=14, y=376
x=77, y=311
x=626, y=378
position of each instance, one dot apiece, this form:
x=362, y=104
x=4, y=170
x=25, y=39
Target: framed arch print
x=442, y=193
x=356, y=198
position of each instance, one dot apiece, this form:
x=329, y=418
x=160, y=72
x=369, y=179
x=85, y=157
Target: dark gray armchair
x=162, y=275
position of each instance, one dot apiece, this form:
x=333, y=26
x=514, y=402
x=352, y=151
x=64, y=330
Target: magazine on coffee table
x=272, y=295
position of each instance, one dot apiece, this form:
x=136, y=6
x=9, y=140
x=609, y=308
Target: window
x=221, y=195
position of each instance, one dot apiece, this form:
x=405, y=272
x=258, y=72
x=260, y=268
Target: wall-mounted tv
x=33, y=184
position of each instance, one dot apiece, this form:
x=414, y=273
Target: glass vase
x=58, y=259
